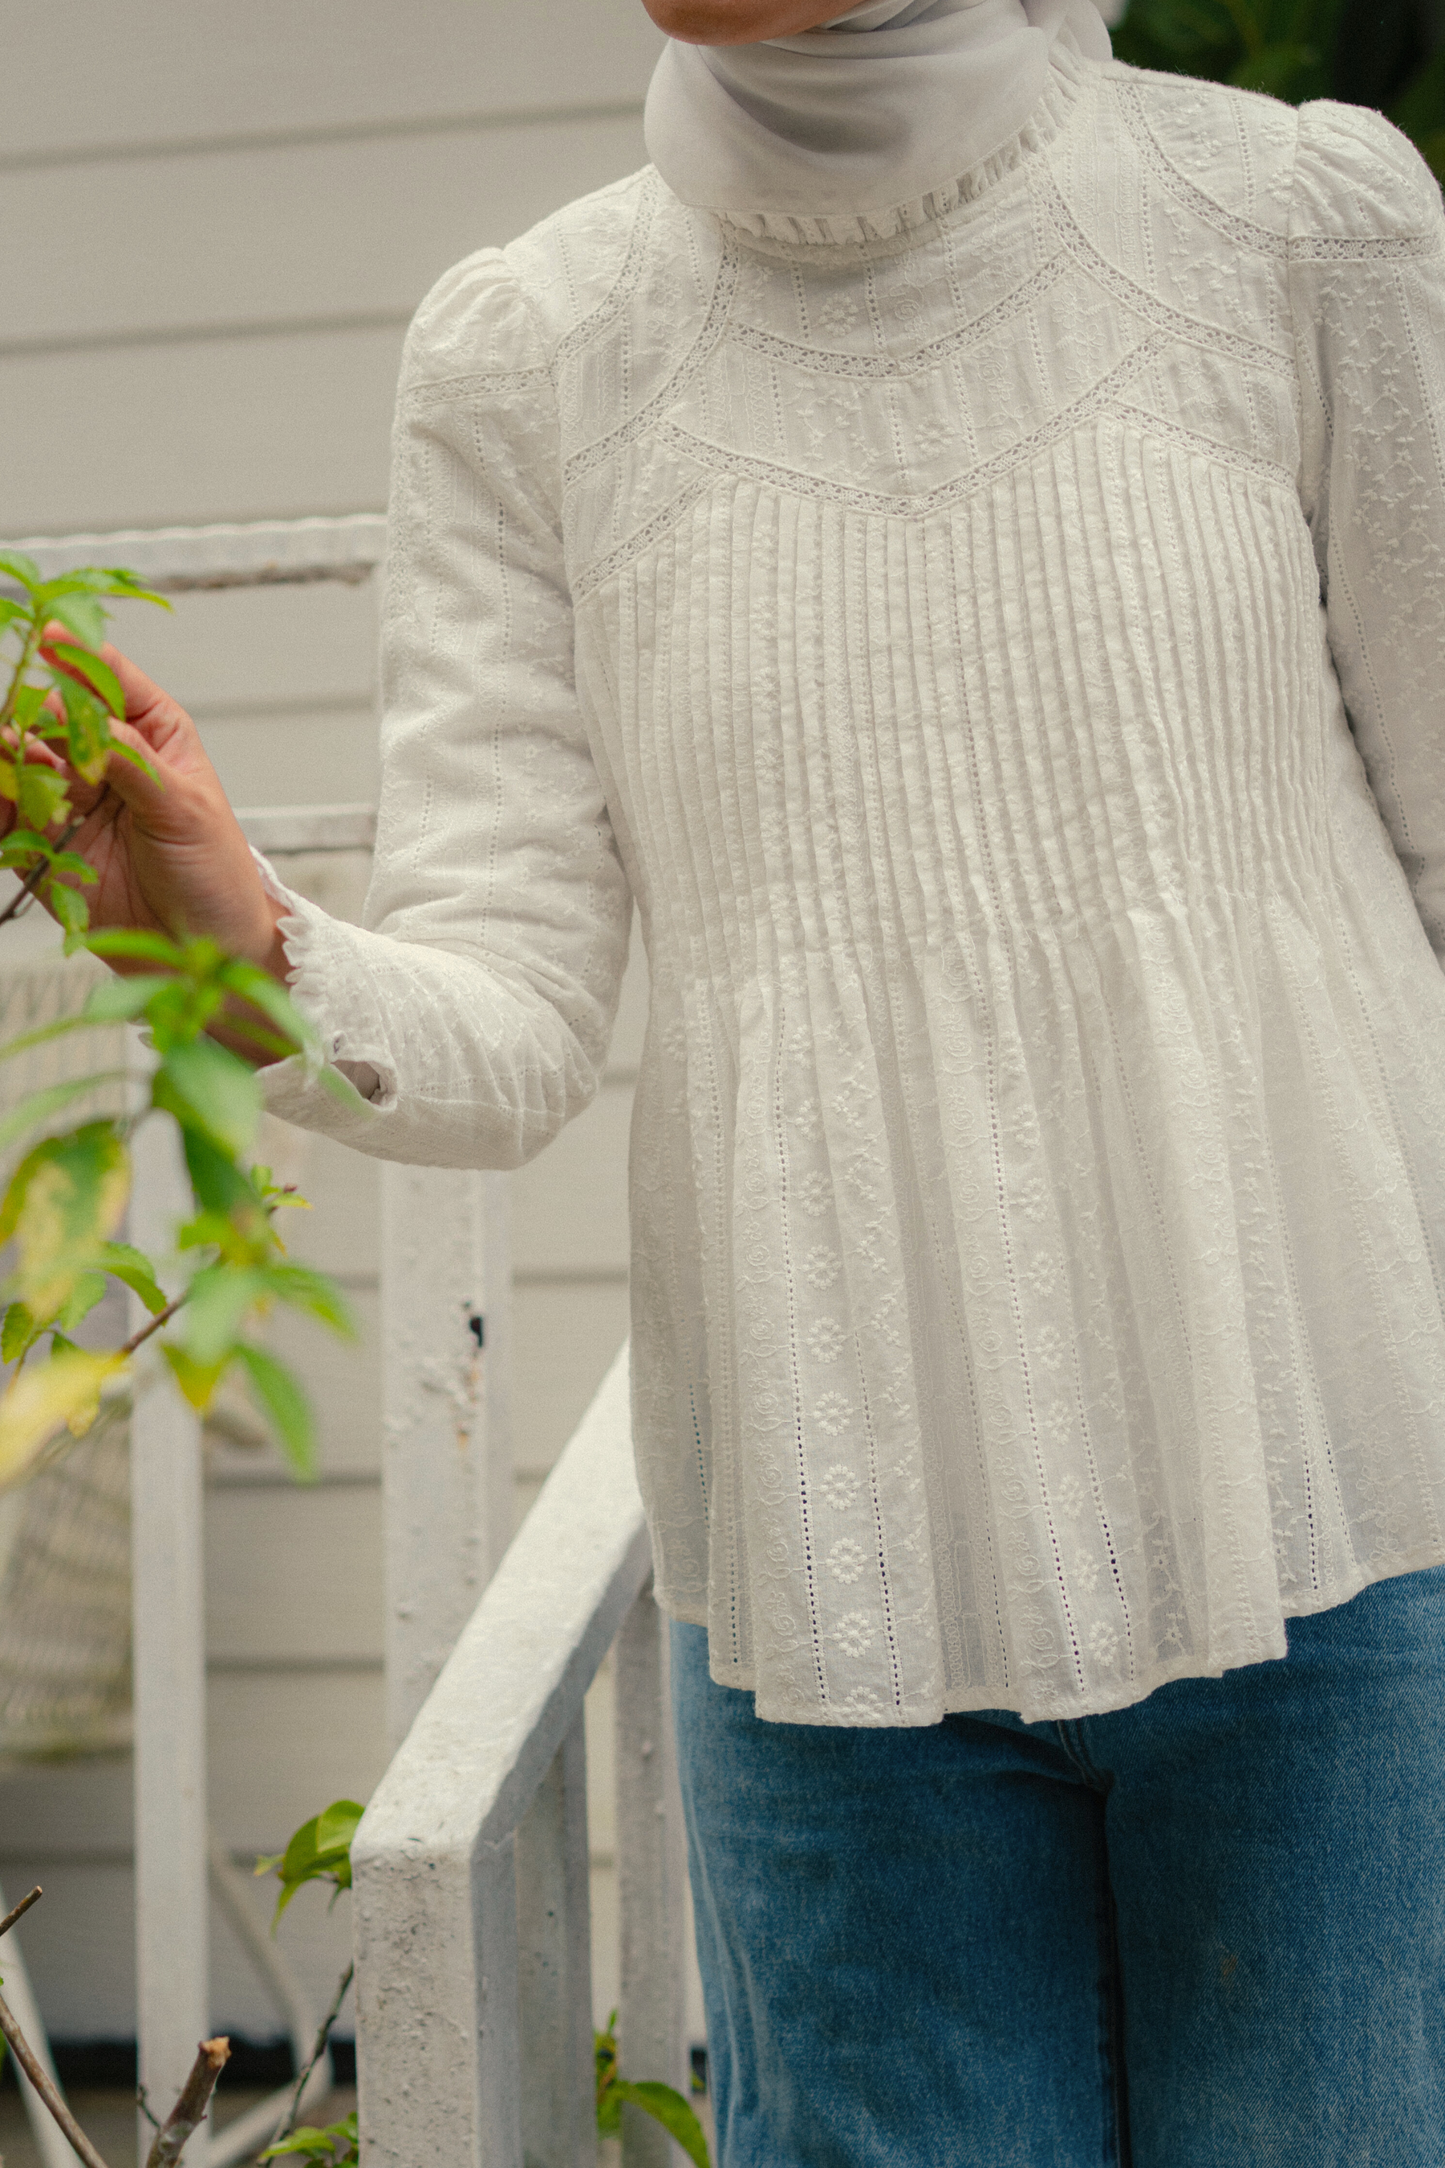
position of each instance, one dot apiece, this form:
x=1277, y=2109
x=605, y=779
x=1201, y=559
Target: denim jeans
x=1207, y=1931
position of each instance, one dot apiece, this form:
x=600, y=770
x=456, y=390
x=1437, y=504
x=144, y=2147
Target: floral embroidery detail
x=674, y=1039
x=826, y=1339
x=839, y=1487
x=1032, y=1198
x=832, y=1413
x=808, y=1119
x=1058, y=1421
x=1072, y=1497
x=1086, y=1575
x=815, y=1193
x=846, y=1560
x=864, y=1705
x=1049, y=1346
x=821, y=1268
x=1103, y=1642
x=855, y=1633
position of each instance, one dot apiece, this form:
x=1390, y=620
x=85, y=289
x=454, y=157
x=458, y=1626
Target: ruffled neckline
x=1064, y=86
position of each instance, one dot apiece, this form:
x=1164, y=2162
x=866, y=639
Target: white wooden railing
x=472, y=1908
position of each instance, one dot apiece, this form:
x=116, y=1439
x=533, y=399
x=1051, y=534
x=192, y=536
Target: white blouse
x=1000, y=649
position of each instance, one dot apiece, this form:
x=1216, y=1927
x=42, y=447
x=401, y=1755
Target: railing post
x=559, y=2114
x=436, y=1988
x=651, y=1878
x=447, y=1466
x=171, y=1897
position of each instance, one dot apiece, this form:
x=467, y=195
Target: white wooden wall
x=215, y=221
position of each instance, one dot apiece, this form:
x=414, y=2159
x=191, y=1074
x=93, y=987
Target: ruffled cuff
x=318, y=981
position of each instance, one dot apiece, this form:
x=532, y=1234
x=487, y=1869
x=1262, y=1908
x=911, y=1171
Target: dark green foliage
x=1379, y=53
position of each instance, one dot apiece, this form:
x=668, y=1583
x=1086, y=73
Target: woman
x=960, y=543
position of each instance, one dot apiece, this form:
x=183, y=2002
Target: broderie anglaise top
x=1039, y=1215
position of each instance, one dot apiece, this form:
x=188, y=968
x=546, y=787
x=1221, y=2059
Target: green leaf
x=87, y=729
x=303, y=1289
x=43, y=797
x=197, y=1381
x=135, y=1270
x=207, y=1088
x=17, y=567
x=137, y=760
x=65, y=1198
x=72, y=912
x=10, y=610
x=666, y=2106
x=338, y=2146
x=127, y=585
x=117, y=1001
x=63, y=1389
x=219, y=1184
x=280, y=1398
x=17, y=1329
x=50, y=1099
x=320, y=1850
x=80, y=614
x=132, y=941
x=82, y=1299
x=97, y=674
x=218, y=1299
x=272, y=999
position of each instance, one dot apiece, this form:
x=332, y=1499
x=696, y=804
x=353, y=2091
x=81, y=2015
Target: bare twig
x=154, y=1324
x=35, y=2070
x=19, y=1911
x=38, y=872
x=323, y=2034
x=211, y=2059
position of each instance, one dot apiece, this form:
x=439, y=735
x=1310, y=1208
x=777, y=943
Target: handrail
x=473, y=1972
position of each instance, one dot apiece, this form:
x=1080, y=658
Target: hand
x=169, y=854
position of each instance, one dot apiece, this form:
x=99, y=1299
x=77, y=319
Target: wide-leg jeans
x=1207, y=1931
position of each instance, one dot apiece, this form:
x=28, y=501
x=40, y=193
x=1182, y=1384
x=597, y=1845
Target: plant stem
x=322, y=2036
x=34, y=2069
x=211, y=2059
x=27, y=657
x=152, y=1324
x=19, y=1911
x=36, y=874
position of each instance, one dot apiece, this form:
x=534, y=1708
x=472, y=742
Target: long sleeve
x=482, y=986
x=1367, y=283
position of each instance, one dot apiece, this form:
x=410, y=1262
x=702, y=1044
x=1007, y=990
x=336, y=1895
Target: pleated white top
x=1001, y=649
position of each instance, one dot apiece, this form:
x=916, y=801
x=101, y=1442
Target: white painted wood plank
x=249, y=652
x=554, y=1965
x=185, y=70
x=446, y=1464
x=651, y=1877
x=274, y=427
x=566, y=1338
x=172, y=1906
x=307, y=755
x=52, y=2146
x=283, y=1744
x=435, y=1951
x=293, y=1575
x=383, y=219
x=570, y=1203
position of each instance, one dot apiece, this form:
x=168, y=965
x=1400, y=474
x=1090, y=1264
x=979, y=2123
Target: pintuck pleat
x=999, y=649
x=1064, y=1255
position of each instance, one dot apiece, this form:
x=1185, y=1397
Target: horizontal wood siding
x=216, y=224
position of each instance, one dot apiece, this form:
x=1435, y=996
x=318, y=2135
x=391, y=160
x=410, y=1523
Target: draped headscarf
x=889, y=102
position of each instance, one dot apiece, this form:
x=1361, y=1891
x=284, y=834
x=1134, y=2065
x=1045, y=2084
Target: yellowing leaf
x=66, y=1198
x=64, y=1389
x=198, y=1381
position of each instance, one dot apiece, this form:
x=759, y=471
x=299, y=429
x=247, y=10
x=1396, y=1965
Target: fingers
x=148, y=708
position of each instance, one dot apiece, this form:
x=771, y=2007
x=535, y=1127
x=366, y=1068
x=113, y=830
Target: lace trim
x=436, y=390
x=602, y=568
x=874, y=367
x=921, y=504
x=1213, y=338
x=1193, y=441
x=583, y=332
x=784, y=233
x=1328, y=248
x=1244, y=232
x=593, y=455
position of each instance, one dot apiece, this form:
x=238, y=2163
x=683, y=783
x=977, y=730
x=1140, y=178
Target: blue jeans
x=1204, y=1932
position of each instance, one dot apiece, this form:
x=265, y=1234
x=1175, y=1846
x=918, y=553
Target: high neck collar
x=883, y=109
